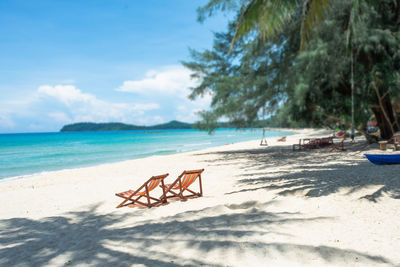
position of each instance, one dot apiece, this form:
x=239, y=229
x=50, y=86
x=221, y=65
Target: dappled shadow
x=83, y=238
x=311, y=173
x=80, y=236
x=89, y=238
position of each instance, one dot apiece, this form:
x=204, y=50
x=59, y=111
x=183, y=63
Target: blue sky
x=65, y=61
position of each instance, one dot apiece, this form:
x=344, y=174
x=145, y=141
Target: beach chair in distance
x=297, y=146
x=264, y=142
x=326, y=141
x=282, y=139
x=182, y=184
x=339, y=146
x=308, y=144
x=133, y=197
x=303, y=144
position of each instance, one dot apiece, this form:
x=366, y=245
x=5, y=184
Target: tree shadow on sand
x=89, y=238
x=311, y=174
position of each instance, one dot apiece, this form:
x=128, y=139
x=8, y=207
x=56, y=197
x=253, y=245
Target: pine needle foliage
x=262, y=61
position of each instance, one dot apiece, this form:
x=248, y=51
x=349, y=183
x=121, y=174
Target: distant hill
x=117, y=126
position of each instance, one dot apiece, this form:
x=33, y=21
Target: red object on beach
x=282, y=139
x=186, y=179
x=339, y=146
x=308, y=143
x=150, y=185
x=342, y=134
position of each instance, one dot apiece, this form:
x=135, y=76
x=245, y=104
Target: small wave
x=161, y=152
x=92, y=149
x=24, y=176
x=197, y=144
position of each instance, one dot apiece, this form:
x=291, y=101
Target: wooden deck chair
x=298, y=146
x=282, y=139
x=339, y=146
x=303, y=144
x=326, y=141
x=308, y=143
x=182, y=183
x=132, y=197
x=313, y=143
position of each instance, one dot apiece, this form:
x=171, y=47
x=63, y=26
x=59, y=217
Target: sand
x=262, y=206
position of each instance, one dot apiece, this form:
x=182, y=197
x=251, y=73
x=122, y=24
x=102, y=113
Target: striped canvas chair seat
x=134, y=196
x=151, y=185
x=187, y=180
x=182, y=184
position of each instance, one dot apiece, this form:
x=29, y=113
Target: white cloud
x=149, y=120
x=87, y=107
x=144, y=107
x=188, y=110
x=171, y=85
x=172, y=80
x=60, y=117
x=6, y=121
x=67, y=94
x=36, y=127
x=160, y=96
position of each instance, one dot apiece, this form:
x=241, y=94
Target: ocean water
x=29, y=153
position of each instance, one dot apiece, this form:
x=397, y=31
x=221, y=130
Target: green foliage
x=311, y=87
x=268, y=17
x=326, y=64
x=242, y=80
x=216, y=5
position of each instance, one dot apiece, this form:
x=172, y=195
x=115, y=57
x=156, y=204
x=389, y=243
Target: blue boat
x=380, y=159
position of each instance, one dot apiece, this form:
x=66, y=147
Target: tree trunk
x=387, y=122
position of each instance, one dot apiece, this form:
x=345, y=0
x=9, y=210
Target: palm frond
x=311, y=14
x=213, y=6
x=268, y=17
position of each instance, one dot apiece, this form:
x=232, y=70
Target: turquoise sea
x=29, y=153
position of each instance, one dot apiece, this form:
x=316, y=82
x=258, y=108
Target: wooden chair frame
x=282, y=139
x=305, y=143
x=326, y=141
x=177, y=185
x=298, y=146
x=339, y=146
x=146, y=193
x=308, y=143
x=312, y=143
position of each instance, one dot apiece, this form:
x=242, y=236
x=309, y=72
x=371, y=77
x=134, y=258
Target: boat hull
x=380, y=159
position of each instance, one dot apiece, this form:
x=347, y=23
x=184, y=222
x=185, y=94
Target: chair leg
x=148, y=196
x=201, y=187
x=133, y=201
x=164, y=196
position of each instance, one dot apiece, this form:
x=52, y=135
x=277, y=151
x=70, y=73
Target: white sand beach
x=262, y=206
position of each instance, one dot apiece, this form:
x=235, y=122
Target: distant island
x=117, y=126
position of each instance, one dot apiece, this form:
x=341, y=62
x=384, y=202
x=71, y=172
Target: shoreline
x=261, y=205
x=159, y=153
x=54, y=172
